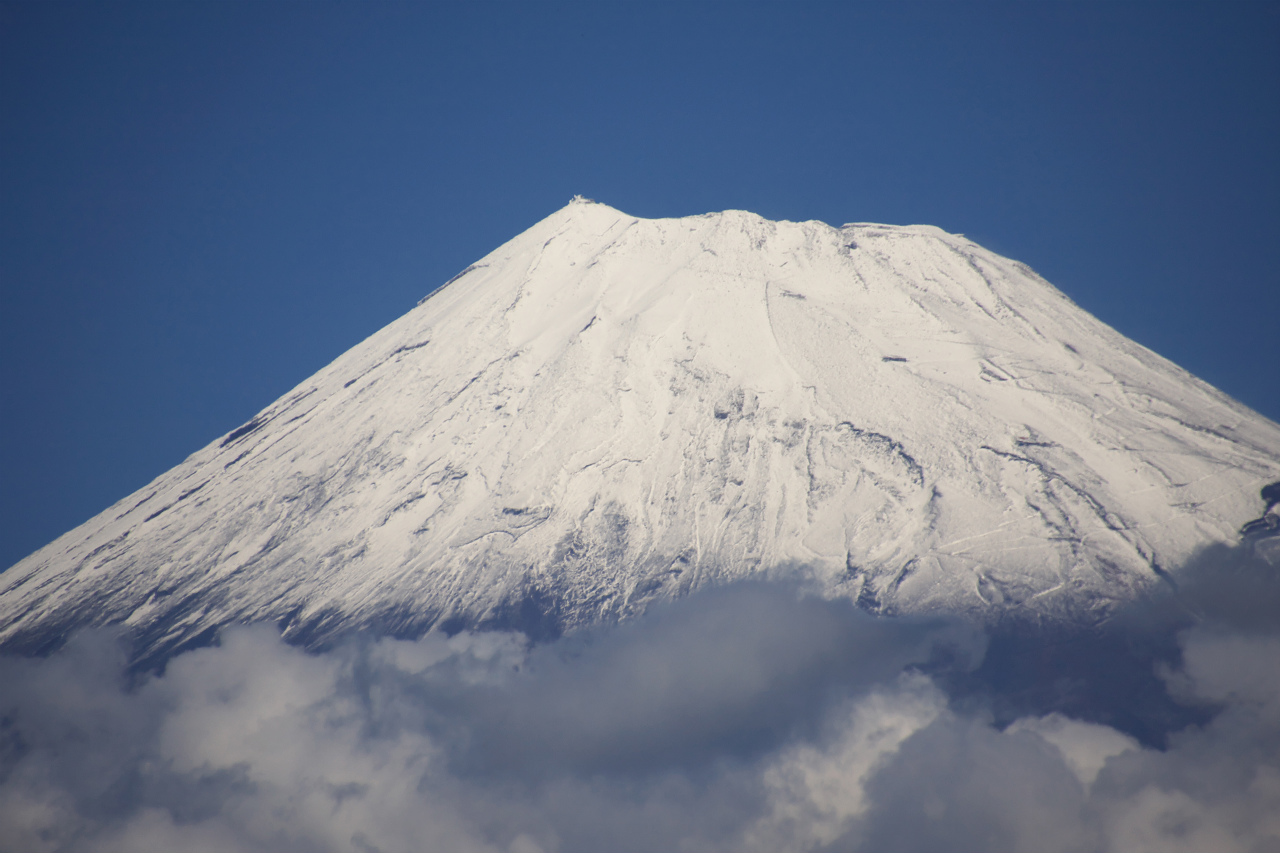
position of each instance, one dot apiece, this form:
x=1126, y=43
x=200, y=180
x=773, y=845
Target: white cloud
x=1085, y=747
x=744, y=720
x=816, y=790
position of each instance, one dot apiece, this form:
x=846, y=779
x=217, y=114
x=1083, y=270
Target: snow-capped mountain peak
x=609, y=410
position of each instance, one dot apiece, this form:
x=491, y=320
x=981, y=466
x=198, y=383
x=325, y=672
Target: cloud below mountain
x=749, y=718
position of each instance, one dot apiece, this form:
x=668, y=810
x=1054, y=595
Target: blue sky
x=203, y=204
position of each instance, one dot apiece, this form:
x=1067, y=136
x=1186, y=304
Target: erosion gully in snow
x=607, y=411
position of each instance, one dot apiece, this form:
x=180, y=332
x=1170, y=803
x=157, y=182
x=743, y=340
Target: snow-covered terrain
x=609, y=410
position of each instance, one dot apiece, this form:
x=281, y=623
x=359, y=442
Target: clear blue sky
x=203, y=204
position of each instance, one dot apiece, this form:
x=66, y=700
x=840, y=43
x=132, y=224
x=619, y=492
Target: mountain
x=607, y=411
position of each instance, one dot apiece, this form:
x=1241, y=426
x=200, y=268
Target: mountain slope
x=608, y=410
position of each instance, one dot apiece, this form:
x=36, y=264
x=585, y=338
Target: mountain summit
x=606, y=411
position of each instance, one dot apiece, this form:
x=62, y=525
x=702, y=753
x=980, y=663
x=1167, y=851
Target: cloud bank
x=743, y=719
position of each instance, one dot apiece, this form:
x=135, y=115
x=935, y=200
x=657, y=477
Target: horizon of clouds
x=747, y=718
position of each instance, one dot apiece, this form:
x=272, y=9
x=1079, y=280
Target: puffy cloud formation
x=745, y=719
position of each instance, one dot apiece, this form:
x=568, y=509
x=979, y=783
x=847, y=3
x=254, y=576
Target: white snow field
x=607, y=410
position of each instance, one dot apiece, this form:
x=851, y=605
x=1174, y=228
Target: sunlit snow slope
x=609, y=410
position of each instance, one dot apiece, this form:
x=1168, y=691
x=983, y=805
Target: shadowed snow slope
x=608, y=410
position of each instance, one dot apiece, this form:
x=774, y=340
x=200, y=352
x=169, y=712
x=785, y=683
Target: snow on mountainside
x=608, y=410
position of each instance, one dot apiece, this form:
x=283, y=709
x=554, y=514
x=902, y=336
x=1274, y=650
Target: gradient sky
x=204, y=204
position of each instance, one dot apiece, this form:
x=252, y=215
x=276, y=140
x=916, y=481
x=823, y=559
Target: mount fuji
x=609, y=411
